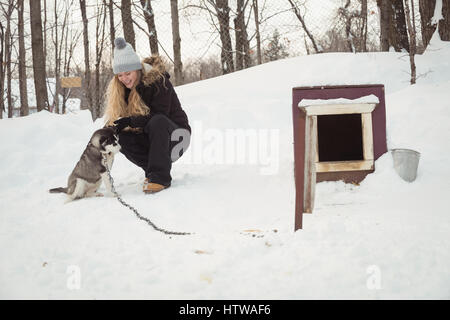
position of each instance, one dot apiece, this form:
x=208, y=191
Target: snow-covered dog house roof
x=339, y=132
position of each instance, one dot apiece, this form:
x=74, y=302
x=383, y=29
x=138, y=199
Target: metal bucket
x=406, y=162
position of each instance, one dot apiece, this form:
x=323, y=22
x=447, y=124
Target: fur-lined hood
x=153, y=70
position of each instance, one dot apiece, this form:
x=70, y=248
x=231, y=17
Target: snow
x=72, y=105
x=437, y=12
x=313, y=102
x=383, y=239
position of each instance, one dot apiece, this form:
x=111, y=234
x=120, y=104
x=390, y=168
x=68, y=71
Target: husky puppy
x=90, y=170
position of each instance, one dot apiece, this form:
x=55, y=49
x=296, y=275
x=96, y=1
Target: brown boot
x=151, y=187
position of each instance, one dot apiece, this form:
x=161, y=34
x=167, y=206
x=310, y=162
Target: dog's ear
x=101, y=141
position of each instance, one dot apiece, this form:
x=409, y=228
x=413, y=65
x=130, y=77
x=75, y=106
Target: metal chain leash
x=113, y=189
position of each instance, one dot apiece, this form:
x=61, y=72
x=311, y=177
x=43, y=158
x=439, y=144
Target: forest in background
x=49, y=39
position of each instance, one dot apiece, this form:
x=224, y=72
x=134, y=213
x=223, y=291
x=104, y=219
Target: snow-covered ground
x=385, y=239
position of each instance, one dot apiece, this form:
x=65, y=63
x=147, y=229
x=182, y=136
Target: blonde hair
x=116, y=105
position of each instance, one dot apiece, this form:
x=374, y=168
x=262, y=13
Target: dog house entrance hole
x=339, y=137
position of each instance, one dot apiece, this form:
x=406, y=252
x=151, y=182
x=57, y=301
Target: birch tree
x=434, y=13
x=127, y=23
x=150, y=20
x=178, y=65
x=412, y=38
x=24, y=109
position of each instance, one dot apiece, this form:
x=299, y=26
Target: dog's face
x=106, y=140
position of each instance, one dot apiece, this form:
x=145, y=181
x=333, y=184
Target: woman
x=143, y=105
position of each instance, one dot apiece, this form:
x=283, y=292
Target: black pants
x=152, y=149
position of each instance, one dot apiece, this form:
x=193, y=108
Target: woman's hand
x=133, y=122
x=122, y=123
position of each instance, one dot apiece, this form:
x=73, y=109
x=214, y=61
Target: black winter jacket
x=159, y=95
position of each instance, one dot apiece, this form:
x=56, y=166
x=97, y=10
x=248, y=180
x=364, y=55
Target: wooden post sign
x=71, y=82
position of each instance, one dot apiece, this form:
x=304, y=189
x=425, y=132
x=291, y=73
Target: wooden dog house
x=339, y=132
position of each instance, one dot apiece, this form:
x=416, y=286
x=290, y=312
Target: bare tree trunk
x=8, y=38
x=8, y=48
x=242, y=47
x=150, y=19
x=2, y=70
x=399, y=34
x=223, y=15
x=68, y=55
x=363, y=45
x=45, y=28
x=348, y=26
x=57, y=63
x=112, y=30
x=302, y=21
x=24, y=110
x=8, y=71
x=87, y=73
x=308, y=52
x=239, y=54
x=127, y=23
x=426, y=9
x=444, y=24
x=38, y=56
x=393, y=25
x=245, y=40
x=383, y=7
x=99, y=46
x=178, y=65
x=239, y=50
x=412, y=37
x=65, y=91
x=258, y=36
x=58, y=44
x=413, y=34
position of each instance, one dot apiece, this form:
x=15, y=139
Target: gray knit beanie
x=125, y=59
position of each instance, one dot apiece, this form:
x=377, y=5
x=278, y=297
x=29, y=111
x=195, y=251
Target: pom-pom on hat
x=125, y=59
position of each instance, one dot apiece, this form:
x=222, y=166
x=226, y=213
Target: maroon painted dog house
x=345, y=144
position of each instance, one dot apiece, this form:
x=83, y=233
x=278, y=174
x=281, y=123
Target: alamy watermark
x=74, y=278
x=229, y=146
x=374, y=280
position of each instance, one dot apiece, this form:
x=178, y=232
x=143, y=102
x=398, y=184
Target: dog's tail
x=58, y=190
